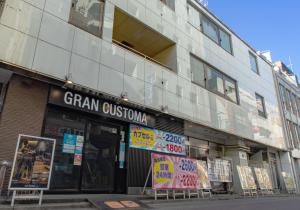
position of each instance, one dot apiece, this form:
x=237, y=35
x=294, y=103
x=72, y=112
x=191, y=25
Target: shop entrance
x=100, y=157
x=99, y=171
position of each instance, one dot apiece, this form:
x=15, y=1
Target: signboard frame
x=15, y=159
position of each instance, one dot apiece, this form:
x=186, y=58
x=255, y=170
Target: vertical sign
x=78, y=150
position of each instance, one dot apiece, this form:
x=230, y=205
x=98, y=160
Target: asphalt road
x=278, y=203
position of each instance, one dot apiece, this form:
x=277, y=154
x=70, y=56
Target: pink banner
x=173, y=172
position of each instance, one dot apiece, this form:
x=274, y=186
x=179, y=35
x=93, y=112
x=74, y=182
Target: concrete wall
x=36, y=35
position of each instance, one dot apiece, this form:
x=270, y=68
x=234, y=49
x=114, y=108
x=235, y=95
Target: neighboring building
x=172, y=62
x=289, y=95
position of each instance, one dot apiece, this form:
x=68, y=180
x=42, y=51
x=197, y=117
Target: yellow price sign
x=142, y=137
x=163, y=171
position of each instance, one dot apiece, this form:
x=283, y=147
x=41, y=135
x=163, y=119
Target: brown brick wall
x=23, y=113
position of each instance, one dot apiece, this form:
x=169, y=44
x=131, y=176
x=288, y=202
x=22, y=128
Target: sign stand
x=31, y=151
x=148, y=175
x=32, y=194
x=157, y=192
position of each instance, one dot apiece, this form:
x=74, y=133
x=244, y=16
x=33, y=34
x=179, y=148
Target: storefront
x=92, y=141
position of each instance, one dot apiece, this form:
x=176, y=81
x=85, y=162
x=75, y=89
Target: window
x=194, y=17
x=230, y=89
x=88, y=15
x=209, y=28
x=282, y=96
x=294, y=105
x=213, y=80
x=169, y=3
x=296, y=139
x=260, y=103
x=225, y=41
x=288, y=100
x=298, y=106
x=253, y=63
x=293, y=134
x=198, y=71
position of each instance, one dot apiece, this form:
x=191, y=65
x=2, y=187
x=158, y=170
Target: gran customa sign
x=91, y=104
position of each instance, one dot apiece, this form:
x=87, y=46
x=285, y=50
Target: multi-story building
x=289, y=95
x=169, y=65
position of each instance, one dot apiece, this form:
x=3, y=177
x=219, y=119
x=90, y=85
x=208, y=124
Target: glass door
x=65, y=174
x=100, y=157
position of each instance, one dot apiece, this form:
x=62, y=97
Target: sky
x=264, y=24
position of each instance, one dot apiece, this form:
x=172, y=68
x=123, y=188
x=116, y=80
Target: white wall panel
x=16, y=47
x=22, y=16
x=110, y=81
x=51, y=60
x=87, y=45
x=57, y=32
x=59, y=8
x=82, y=66
x=113, y=56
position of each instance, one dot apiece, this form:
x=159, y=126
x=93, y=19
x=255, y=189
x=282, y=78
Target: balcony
x=137, y=37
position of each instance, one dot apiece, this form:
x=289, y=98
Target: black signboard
x=87, y=103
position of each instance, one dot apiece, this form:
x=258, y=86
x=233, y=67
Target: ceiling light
x=124, y=96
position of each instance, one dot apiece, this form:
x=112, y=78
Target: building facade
x=288, y=93
x=168, y=65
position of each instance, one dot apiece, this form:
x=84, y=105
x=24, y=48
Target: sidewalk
x=96, y=201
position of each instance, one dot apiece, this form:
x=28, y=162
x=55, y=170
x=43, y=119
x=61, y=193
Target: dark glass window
x=225, y=41
x=253, y=63
x=230, y=89
x=260, y=103
x=198, y=71
x=169, y=3
x=210, y=29
x=65, y=174
x=298, y=106
x=194, y=17
x=88, y=15
x=214, y=80
x=294, y=105
x=288, y=100
x=282, y=96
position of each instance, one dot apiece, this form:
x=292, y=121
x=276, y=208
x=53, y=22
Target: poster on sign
x=32, y=163
x=156, y=140
x=219, y=170
x=288, y=181
x=173, y=172
x=202, y=181
x=263, y=178
x=246, y=177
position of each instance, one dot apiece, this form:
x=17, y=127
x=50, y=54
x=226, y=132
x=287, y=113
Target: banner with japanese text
x=156, y=140
x=174, y=172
